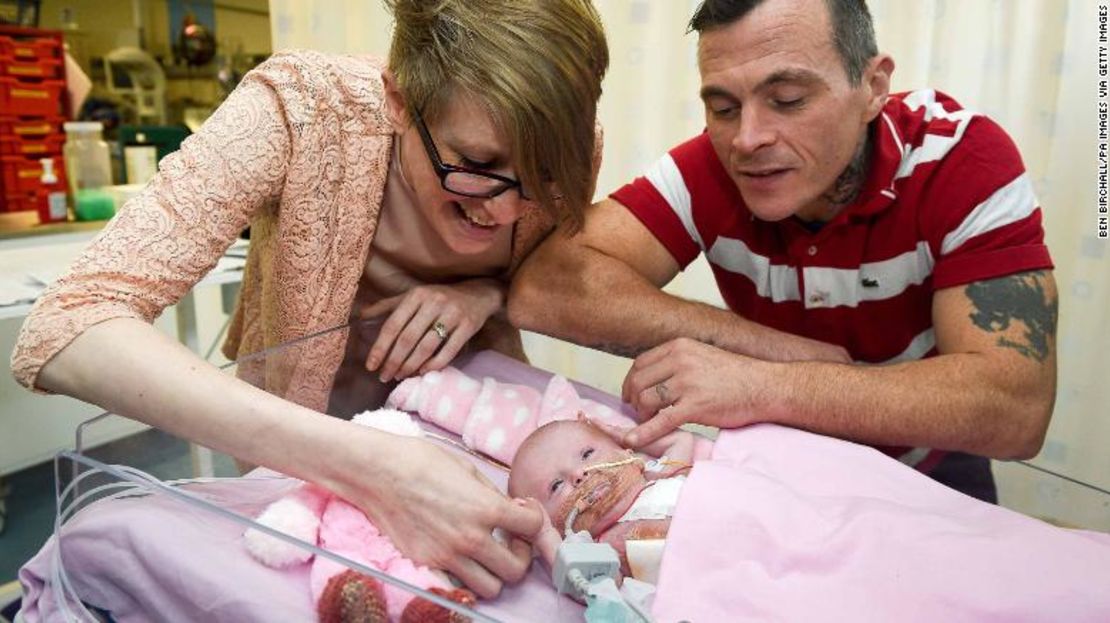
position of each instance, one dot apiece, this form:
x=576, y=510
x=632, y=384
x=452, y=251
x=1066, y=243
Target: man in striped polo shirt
x=881, y=255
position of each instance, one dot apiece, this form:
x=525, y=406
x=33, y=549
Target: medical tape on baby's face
x=603, y=486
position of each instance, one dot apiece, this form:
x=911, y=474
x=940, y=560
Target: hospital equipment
x=589, y=571
x=136, y=77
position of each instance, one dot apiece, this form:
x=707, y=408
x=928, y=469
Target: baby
x=563, y=452
x=585, y=480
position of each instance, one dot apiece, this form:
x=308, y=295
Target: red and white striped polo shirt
x=947, y=202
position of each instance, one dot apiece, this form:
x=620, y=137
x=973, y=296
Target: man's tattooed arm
x=1021, y=298
x=632, y=352
x=620, y=350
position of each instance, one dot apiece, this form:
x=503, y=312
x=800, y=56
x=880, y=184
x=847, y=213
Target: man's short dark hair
x=852, y=30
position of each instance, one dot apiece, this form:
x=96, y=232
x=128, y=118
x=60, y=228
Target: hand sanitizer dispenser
x=52, y=203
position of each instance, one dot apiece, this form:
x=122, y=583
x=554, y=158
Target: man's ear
x=877, y=82
x=394, y=103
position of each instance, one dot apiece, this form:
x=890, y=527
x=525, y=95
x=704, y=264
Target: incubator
x=134, y=547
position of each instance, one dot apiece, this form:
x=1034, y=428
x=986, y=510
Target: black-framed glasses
x=461, y=180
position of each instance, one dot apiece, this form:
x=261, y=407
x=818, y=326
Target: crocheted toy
x=315, y=515
x=493, y=417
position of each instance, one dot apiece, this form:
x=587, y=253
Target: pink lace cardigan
x=300, y=153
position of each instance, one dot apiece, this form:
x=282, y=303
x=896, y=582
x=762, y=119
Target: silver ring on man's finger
x=440, y=330
x=663, y=393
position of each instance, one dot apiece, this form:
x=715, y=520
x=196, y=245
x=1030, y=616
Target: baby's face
x=554, y=468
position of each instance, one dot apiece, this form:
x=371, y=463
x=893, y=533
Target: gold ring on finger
x=440, y=329
x=663, y=393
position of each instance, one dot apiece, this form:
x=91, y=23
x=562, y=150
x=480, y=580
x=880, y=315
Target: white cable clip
x=578, y=565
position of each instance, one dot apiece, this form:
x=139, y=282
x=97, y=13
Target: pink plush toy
x=315, y=515
x=492, y=417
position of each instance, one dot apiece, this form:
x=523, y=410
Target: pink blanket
x=789, y=526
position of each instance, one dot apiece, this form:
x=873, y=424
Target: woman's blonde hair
x=536, y=64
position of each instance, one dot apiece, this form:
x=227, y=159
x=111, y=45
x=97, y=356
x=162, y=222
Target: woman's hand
x=441, y=512
x=546, y=542
x=429, y=325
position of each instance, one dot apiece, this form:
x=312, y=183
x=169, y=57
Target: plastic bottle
x=140, y=159
x=52, y=204
x=89, y=169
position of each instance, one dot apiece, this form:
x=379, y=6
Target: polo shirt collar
x=886, y=157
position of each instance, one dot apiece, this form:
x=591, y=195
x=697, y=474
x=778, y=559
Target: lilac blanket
x=785, y=525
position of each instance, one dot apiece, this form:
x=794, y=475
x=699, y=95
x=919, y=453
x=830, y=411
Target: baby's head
x=556, y=466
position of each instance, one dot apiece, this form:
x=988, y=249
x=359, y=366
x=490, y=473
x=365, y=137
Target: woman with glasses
x=408, y=190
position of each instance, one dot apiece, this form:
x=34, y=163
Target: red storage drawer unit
x=31, y=126
x=25, y=98
x=19, y=202
x=30, y=44
x=32, y=92
x=45, y=69
x=36, y=146
x=21, y=175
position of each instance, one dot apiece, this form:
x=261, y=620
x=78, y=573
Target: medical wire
x=639, y=611
x=216, y=340
x=612, y=464
x=58, y=576
x=586, y=589
x=463, y=448
x=580, y=583
x=1067, y=478
x=568, y=525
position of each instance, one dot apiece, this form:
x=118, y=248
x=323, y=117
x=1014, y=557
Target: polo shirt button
x=812, y=250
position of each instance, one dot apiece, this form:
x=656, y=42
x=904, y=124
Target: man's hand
x=441, y=512
x=677, y=445
x=687, y=381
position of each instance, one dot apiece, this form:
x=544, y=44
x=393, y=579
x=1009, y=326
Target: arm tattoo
x=1020, y=298
x=620, y=350
x=632, y=352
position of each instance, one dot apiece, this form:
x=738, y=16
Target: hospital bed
x=787, y=539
